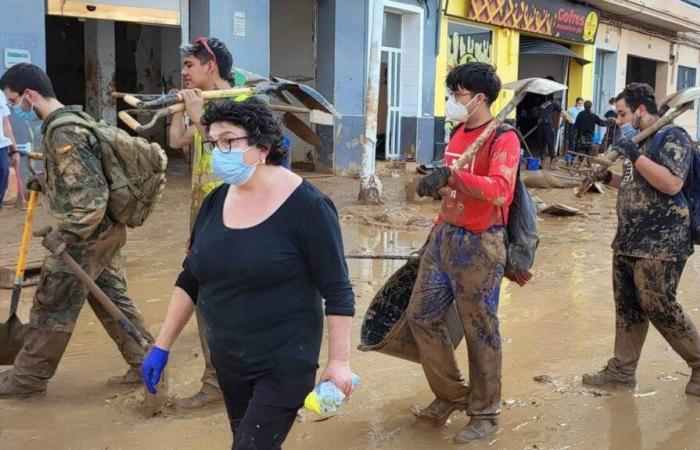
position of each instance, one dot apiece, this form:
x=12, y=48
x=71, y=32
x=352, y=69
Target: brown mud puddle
x=561, y=325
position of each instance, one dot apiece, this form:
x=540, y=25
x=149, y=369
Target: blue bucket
x=533, y=163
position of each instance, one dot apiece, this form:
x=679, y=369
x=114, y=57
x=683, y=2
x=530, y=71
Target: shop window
x=466, y=43
x=686, y=76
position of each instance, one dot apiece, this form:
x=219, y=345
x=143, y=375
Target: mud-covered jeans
x=466, y=268
x=645, y=290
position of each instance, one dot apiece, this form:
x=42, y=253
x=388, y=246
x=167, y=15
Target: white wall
x=629, y=42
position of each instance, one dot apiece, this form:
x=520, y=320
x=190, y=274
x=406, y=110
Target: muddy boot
x=476, y=429
x=605, y=380
x=206, y=396
x=439, y=411
x=131, y=377
x=9, y=388
x=35, y=364
x=693, y=387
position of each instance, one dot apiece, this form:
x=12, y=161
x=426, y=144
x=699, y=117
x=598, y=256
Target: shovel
x=12, y=332
x=153, y=403
x=671, y=107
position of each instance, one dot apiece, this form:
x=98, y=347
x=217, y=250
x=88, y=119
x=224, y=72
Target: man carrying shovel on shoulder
x=206, y=66
x=652, y=243
x=465, y=257
x=78, y=194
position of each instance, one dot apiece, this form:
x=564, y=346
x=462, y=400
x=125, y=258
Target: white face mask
x=455, y=111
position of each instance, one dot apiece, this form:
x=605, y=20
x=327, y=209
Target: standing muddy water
x=559, y=326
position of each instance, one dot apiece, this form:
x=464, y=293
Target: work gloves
x=430, y=184
x=152, y=368
x=35, y=183
x=625, y=147
x=56, y=242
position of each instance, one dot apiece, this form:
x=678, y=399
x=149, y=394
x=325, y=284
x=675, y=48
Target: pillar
x=341, y=62
x=506, y=51
x=100, y=69
x=581, y=76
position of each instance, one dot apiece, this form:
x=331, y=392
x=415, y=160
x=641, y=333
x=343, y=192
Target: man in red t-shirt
x=464, y=259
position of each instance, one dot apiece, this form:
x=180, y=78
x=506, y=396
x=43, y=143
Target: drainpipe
x=370, y=186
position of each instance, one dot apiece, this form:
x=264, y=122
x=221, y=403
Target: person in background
x=206, y=66
x=8, y=153
x=572, y=113
x=545, y=130
x=611, y=131
x=585, y=128
x=265, y=248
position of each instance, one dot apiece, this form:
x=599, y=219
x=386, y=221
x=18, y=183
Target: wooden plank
x=31, y=274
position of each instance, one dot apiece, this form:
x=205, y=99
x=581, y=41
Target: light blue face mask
x=229, y=166
x=29, y=116
x=628, y=130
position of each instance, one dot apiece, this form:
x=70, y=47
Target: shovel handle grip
x=129, y=121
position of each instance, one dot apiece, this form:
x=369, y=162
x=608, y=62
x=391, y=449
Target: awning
x=530, y=46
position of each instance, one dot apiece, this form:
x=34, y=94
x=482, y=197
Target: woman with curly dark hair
x=265, y=248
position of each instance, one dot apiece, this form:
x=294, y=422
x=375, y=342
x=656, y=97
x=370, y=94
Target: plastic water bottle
x=326, y=397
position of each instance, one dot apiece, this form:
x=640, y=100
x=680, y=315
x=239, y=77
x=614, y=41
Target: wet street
x=556, y=328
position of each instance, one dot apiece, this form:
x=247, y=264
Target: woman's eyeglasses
x=225, y=145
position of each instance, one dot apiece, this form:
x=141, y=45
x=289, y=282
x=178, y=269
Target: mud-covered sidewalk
x=556, y=328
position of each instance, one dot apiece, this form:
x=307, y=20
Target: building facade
x=656, y=42
x=523, y=39
x=91, y=48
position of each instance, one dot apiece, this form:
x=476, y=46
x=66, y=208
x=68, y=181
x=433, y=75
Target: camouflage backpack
x=134, y=168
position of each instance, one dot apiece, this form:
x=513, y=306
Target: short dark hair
x=636, y=94
x=612, y=100
x=224, y=59
x=587, y=105
x=476, y=77
x=579, y=99
x=253, y=115
x=25, y=76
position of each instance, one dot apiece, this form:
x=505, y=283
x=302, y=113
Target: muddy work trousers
x=465, y=268
x=60, y=297
x=645, y=291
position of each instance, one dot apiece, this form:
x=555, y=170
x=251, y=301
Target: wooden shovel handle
x=99, y=294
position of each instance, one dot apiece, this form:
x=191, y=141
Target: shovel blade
x=307, y=96
x=11, y=339
x=682, y=97
x=540, y=86
x=301, y=129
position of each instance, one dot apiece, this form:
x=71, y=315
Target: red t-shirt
x=483, y=190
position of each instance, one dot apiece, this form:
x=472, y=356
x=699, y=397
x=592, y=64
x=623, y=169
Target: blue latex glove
x=152, y=367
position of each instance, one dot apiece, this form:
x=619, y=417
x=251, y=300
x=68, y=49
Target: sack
x=691, y=187
x=521, y=228
x=134, y=168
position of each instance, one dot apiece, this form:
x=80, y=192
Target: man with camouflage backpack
x=78, y=187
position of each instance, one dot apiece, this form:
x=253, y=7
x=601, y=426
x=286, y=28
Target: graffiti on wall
x=467, y=43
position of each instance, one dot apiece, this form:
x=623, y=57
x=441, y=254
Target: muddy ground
x=560, y=325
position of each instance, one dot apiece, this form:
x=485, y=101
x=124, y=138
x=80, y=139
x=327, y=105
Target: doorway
x=65, y=58
x=641, y=70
